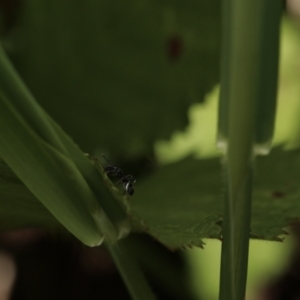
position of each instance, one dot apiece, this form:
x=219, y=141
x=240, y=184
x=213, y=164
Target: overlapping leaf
x=182, y=203
x=117, y=66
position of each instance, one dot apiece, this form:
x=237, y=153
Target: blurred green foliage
x=114, y=82
x=118, y=75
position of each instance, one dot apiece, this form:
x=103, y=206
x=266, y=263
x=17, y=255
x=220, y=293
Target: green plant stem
x=130, y=271
x=246, y=122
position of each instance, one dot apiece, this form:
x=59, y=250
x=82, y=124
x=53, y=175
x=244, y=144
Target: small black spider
x=127, y=180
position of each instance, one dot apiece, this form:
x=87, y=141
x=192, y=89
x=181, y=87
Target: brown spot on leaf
x=174, y=47
x=278, y=194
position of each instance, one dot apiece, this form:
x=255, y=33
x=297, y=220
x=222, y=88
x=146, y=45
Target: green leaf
x=19, y=207
x=182, y=203
x=158, y=209
x=105, y=70
x=32, y=161
x=53, y=167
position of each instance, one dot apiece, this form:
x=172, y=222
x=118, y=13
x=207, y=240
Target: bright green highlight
x=199, y=136
x=204, y=266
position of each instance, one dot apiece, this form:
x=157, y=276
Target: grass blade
x=53, y=167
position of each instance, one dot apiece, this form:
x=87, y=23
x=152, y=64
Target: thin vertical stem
x=243, y=124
